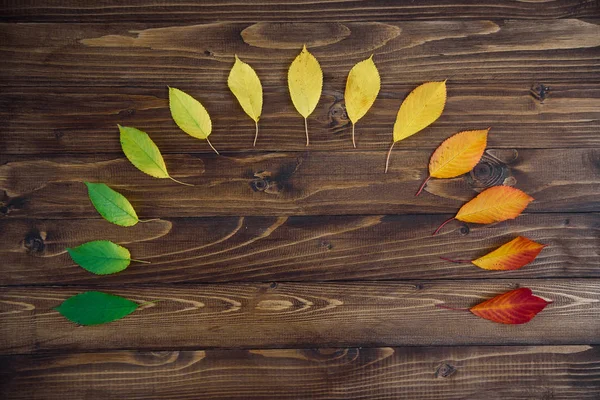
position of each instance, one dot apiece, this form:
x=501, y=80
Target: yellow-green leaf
x=419, y=110
x=143, y=153
x=305, y=82
x=189, y=115
x=246, y=87
x=362, y=88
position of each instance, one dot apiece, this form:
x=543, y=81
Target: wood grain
x=300, y=315
x=84, y=119
x=269, y=10
x=295, y=249
x=197, y=58
x=310, y=183
x=416, y=373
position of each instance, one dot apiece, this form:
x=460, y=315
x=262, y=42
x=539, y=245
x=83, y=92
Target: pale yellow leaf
x=362, y=87
x=246, y=87
x=420, y=109
x=305, y=81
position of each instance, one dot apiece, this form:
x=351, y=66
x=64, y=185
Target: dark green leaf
x=95, y=308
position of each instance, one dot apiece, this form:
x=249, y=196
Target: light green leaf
x=95, y=308
x=112, y=205
x=101, y=257
x=189, y=115
x=143, y=153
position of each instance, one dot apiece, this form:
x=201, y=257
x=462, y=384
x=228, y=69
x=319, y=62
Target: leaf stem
x=353, y=142
x=306, y=130
x=423, y=185
x=387, y=160
x=451, y=308
x=456, y=261
x=442, y=225
x=211, y=146
x=256, y=134
x=149, y=220
x=140, y=261
x=182, y=183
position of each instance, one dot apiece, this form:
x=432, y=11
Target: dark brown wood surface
x=316, y=314
x=269, y=10
x=223, y=249
x=494, y=373
x=290, y=272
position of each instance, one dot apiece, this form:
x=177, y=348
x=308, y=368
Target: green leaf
x=95, y=308
x=143, y=153
x=190, y=115
x=112, y=205
x=101, y=257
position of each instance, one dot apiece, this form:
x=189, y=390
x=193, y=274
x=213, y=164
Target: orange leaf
x=495, y=204
x=457, y=155
x=515, y=307
x=512, y=255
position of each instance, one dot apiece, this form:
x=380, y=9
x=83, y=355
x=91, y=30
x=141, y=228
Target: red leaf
x=515, y=307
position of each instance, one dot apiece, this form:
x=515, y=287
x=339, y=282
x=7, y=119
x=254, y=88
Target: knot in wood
x=34, y=243
x=489, y=172
x=444, y=371
x=264, y=182
x=540, y=91
x=337, y=115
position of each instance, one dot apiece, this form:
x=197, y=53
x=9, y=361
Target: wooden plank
x=328, y=10
x=300, y=315
x=310, y=183
x=419, y=373
x=197, y=58
x=84, y=119
x=295, y=249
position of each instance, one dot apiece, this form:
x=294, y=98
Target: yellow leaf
x=189, y=115
x=457, y=155
x=305, y=82
x=419, y=110
x=362, y=87
x=246, y=87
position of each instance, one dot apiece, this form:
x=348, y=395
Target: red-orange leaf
x=515, y=307
x=495, y=204
x=457, y=155
x=512, y=255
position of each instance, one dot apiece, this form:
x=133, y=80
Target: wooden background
x=289, y=272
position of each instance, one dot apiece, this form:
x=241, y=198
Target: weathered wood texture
x=84, y=120
x=199, y=57
x=295, y=248
x=493, y=373
x=269, y=10
x=313, y=183
x=301, y=315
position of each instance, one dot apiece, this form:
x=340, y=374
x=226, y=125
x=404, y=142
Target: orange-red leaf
x=515, y=307
x=512, y=255
x=495, y=204
x=458, y=154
